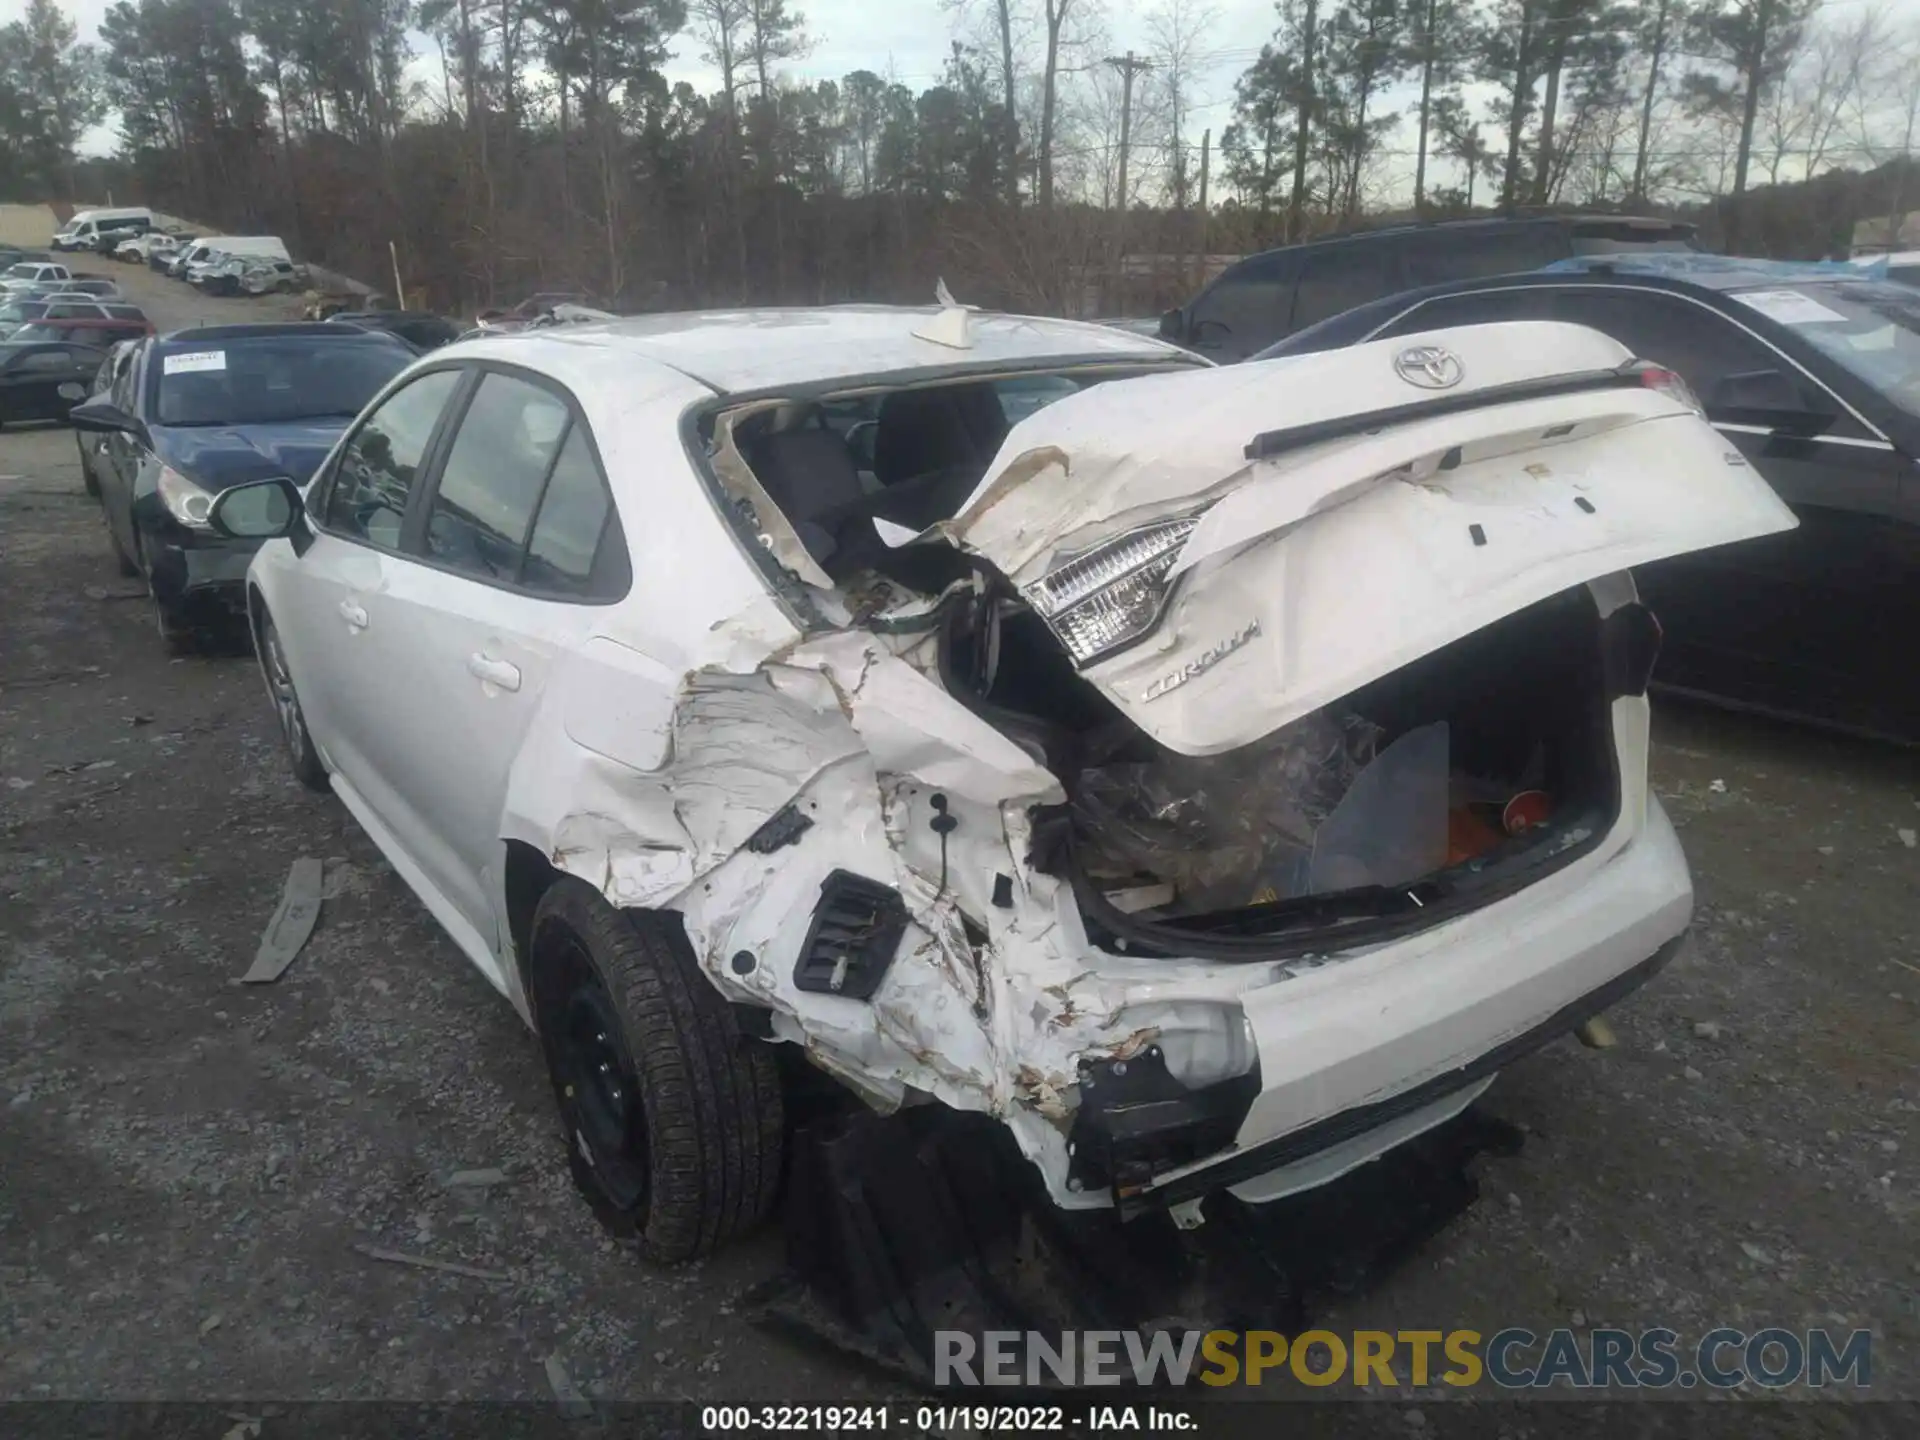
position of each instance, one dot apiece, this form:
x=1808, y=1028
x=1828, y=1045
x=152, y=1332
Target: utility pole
x=1128, y=66
x=1206, y=161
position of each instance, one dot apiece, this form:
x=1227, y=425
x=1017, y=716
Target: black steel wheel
x=672, y=1118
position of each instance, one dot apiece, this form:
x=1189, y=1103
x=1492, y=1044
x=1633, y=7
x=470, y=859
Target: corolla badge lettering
x=1431, y=367
x=1201, y=663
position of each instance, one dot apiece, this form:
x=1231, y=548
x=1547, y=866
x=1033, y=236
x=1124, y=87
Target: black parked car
x=421, y=329
x=190, y=413
x=1266, y=297
x=94, y=446
x=43, y=380
x=1814, y=375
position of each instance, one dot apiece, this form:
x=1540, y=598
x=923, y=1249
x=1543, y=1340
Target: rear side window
x=1437, y=257
x=490, y=486
x=377, y=469
x=573, y=518
x=1340, y=277
x=46, y=360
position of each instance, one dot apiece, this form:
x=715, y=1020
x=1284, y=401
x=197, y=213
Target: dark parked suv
x=1267, y=297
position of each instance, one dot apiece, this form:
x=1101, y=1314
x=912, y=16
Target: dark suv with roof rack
x=1266, y=297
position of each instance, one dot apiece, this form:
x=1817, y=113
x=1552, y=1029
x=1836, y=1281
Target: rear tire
x=301, y=754
x=673, y=1118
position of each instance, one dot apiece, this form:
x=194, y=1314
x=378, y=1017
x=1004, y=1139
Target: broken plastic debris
x=1222, y=829
x=475, y=1179
x=1718, y=787
x=291, y=924
x=1908, y=838
x=1390, y=828
x=1596, y=1034
x=573, y=1401
x=427, y=1262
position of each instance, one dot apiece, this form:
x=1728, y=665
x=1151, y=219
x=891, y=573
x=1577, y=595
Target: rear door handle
x=353, y=614
x=494, y=672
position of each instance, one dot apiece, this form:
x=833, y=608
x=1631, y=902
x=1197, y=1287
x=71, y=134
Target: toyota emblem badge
x=1429, y=366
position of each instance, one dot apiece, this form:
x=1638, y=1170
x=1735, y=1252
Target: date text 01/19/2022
x=910, y=1418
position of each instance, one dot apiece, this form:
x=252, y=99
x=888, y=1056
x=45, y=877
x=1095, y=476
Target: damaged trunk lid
x=1223, y=551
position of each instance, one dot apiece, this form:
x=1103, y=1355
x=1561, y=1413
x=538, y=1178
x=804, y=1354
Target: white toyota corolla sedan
x=1214, y=774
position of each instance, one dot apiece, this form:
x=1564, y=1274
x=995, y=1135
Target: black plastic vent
x=856, y=928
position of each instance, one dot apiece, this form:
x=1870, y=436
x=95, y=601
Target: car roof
x=226, y=334
x=11, y=346
x=1710, y=272
x=736, y=351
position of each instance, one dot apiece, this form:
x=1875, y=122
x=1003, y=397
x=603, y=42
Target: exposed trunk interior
x=1450, y=780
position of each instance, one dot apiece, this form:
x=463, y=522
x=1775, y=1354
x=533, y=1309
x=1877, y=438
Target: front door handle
x=351, y=612
x=494, y=672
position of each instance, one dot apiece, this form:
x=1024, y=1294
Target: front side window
x=378, y=466
x=1869, y=328
x=1687, y=338
x=46, y=360
x=495, y=471
x=1247, y=306
x=124, y=391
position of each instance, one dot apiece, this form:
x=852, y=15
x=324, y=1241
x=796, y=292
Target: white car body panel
x=1550, y=514
x=652, y=738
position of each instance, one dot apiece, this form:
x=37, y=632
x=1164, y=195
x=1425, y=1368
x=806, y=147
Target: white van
x=84, y=229
x=253, y=247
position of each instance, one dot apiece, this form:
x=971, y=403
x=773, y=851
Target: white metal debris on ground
x=291, y=925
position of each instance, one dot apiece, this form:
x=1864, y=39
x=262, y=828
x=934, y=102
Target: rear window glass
x=257, y=382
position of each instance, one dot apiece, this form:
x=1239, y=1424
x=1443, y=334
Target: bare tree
x=1058, y=18
x=1886, y=114
x=1175, y=31
x=996, y=25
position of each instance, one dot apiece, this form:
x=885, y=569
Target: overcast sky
x=909, y=39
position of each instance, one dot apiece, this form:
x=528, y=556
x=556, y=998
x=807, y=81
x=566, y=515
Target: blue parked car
x=189, y=414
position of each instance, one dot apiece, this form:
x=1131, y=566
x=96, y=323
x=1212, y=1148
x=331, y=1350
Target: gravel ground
x=186, y=1168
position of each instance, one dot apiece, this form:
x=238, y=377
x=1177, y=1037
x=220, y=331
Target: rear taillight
x=1668, y=382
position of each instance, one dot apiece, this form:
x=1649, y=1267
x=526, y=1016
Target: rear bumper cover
x=1248, y=1164
x=1353, y=1048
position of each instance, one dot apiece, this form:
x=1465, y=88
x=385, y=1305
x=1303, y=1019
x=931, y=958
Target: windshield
x=1869, y=327
x=23, y=272
x=17, y=311
x=261, y=382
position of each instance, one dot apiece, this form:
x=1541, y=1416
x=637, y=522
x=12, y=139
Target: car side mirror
x=103, y=417
x=257, y=510
x=1769, y=398
x=1173, y=325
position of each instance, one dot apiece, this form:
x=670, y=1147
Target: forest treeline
x=504, y=145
